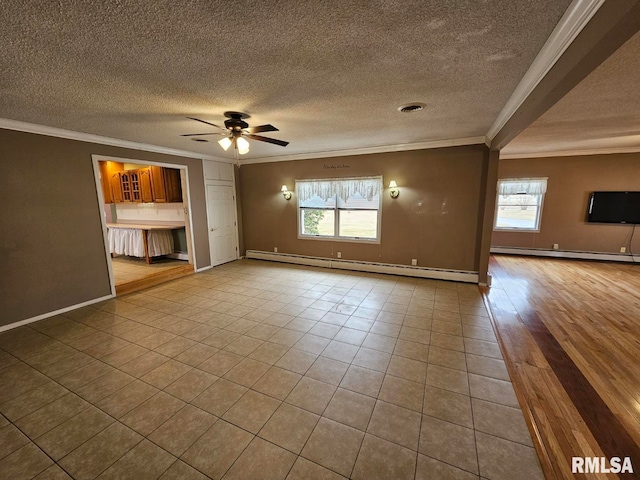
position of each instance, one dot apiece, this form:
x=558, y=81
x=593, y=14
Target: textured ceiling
x=601, y=112
x=329, y=75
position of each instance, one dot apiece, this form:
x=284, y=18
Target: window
x=340, y=209
x=519, y=203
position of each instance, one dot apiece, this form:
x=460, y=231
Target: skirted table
x=141, y=239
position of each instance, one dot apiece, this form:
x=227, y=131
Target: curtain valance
x=344, y=188
x=529, y=186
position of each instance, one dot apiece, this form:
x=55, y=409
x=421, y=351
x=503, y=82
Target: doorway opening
x=146, y=220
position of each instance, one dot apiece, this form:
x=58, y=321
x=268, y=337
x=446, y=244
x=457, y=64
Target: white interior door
x=221, y=209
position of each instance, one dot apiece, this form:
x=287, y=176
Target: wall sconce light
x=394, y=190
x=285, y=192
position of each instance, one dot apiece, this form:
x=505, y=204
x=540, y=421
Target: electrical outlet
x=414, y=262
x=339, y=254
x=275, y=249
x=623, y=249
x=556, y=246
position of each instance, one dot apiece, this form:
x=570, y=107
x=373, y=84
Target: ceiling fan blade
x=268, y=140
x=208, y=123
x=198, y=134
x=262, y=128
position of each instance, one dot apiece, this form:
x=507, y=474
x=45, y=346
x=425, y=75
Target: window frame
x=336, y=209
x=538, y=221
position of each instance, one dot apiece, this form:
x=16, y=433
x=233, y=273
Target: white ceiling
x=329, y=75
x=602, y=113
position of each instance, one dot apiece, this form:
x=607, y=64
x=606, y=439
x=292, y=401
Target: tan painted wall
x=435, y=219
x=571, y=181
x=52, y=251
x=236, y=173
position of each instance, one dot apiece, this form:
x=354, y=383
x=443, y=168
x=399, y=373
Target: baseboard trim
x=20, y=323
x=610, y=257
x=370, y=267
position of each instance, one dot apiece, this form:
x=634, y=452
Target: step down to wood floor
x=154, y=279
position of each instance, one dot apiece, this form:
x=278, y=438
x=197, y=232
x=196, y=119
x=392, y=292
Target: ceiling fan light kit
x=225, y=143
x=236, y=131
x=242, y=145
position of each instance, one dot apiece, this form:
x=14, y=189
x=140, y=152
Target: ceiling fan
x=236, y=131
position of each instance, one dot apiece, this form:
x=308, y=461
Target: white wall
x=150, y=212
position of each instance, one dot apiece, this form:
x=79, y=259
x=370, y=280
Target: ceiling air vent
x=411, y=107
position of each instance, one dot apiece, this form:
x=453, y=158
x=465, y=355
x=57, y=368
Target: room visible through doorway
x=145, y=209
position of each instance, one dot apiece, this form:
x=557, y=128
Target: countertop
x=147, y=226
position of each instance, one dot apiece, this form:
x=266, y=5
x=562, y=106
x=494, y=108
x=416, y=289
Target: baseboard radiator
x=371, y=267
x=540, y=252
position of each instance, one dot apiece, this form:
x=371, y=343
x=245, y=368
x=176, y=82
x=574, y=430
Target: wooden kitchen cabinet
x=166, y=185
x=126, y=187
x=158, y=184
x=174, y=185
x=115, y=188
x=105, y=182
x=134, y=182
x=132, y=186
x=148, y=184
x=144, y=177
x=110, y=180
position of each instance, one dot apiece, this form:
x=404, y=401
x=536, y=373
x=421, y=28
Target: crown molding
x=8, y=124
x=570, y=25
x=456, y=142
x=571, y=153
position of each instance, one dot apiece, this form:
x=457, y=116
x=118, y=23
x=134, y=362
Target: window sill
x=373, y=241
x=523, y=230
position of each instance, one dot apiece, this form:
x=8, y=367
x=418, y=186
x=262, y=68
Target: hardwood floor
x=134, y=274
x=128, y=269
x=570, y=331
x=154, y=279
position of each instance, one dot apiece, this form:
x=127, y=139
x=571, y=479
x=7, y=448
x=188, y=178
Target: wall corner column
x=490, y=188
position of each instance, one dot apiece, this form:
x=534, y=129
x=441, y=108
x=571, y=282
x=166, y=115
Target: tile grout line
x=360, y=347
x=74, y=449
x=115, y=420
x=473, y=421
x=372, y=411
x=284, y=401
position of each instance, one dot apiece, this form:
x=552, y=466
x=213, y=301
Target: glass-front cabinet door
x=125, y=186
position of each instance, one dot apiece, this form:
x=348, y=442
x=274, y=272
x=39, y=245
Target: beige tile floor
x=261, y=370
x=130, y=269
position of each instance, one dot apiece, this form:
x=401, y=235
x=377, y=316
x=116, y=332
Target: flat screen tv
x=614, y=207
